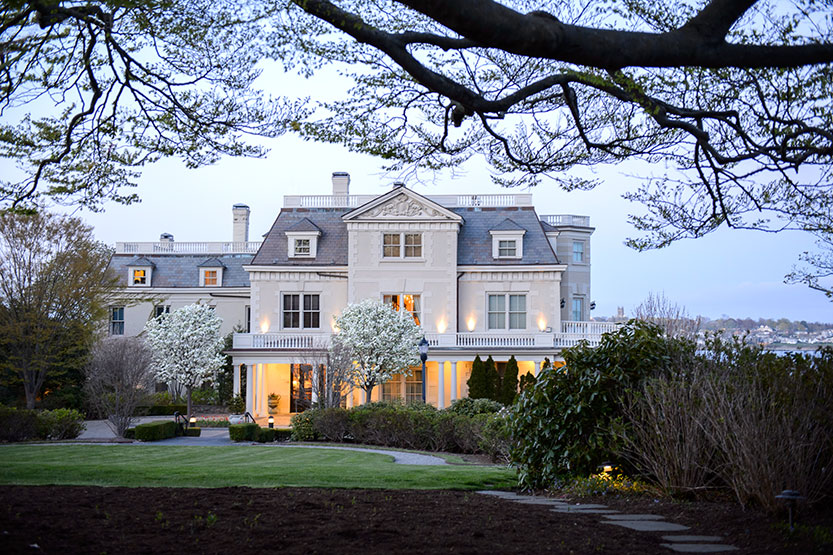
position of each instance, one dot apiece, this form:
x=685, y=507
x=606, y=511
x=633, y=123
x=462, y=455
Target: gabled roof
x=141, y=261
x=303, y=225
x=211, y=263
x=507, y=225
x=401, y=203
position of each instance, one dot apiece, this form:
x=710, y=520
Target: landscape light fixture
x=423, y=356
x=271, y=421
x=193, y=421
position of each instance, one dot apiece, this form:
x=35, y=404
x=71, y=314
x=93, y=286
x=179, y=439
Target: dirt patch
x=69, y=519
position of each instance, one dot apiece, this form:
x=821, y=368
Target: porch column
x=261, y=389
x=538, y=364
x=454, y=387
x=236, y=384
x=250, y=397
x=440, y=385
x=316, y=370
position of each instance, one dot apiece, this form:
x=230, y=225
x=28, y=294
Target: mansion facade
x=481, y=274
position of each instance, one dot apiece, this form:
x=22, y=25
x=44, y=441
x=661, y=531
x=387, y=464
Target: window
x=405, y=303
x=294, y=315
x=210, y=278
x=578, y=251
x=392, y=389
x=160, y=309
x=497, y=313
x=247, y=319
x=302, y=247
x=408, y=388
x=413, y=386
x=116, y=320
x=140, y=277
x=578, y=309
x=392, y=244
x=507, y=248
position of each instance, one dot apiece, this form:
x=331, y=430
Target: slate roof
x=304, y=225
x=182, y=270
x=211, y=263
x=141, y=261
x=507, y=225
x=474, y=241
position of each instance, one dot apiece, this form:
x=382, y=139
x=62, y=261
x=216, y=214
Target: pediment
x=401, y=204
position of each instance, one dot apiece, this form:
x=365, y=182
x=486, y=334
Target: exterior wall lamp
x=271, y=421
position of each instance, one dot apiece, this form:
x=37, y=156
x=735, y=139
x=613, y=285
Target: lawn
x=246, y=465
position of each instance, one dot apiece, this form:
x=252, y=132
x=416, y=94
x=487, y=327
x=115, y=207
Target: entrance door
x=300, y=398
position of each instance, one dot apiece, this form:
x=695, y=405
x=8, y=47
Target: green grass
x=248, y=465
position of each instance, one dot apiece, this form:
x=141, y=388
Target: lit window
x=140, y=277
x=578, y=251
x=210, y=278
x=497, y=313
x=413, y=386
x=116, y=320
x=405, y=303
x=507, y=248
x=302, y=247
x=392, y=244
x=578, y=309
x=392, y=389
x=293, y=314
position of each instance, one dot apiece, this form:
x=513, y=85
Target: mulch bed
x=79, y=519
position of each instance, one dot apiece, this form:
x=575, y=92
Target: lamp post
x=271, y=421
x=423, y=356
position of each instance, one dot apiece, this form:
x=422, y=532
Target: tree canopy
x=726, y=100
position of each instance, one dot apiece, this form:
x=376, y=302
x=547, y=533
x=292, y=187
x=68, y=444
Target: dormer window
x=211, y=273
x=139, y=272
x=507, y=240
x=302, y=239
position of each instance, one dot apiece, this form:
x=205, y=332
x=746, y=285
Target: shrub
x=471, y=407
x=130, y=433
x=237, y=405
x=303, y=426
x=332, y=424
x=204, y=396
x=17, y=424
x=494, y=436
x=192, y=431
x=604, y=484
x=221, y=422
x=166, y=410
x=244, y=432
x=567, y=422
x=60, y=424
x=509, y=383
x=283, y=434
x=266, y=435
x=154, y=431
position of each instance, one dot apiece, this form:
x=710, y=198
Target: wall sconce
x=264, y=325
x=442, y=325
x=470, y=323
x=271, y=421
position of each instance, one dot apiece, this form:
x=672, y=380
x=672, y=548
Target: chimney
x=240, y=223
x=341, y=184
x=166, y=238
x=398, y=184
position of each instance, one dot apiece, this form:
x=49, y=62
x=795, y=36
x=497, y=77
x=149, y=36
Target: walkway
x=98, y=430
x=681, y=543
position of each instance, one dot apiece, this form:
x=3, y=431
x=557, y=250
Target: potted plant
x=274, y=399
x=237, y=408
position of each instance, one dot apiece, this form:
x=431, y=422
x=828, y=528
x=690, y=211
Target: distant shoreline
x=795, y=346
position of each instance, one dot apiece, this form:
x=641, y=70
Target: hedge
x=243, y=432
x=154, y=431
x=24, y=424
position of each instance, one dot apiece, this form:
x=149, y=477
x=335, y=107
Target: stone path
x=638, y=522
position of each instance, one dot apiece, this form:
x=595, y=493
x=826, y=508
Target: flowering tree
x=382, y=342
x=186, y=346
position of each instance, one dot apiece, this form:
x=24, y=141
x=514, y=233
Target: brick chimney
x=240, y=223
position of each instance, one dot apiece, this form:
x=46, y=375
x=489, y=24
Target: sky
x=728, y=273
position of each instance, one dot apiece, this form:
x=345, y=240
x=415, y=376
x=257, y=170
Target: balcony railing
x=566, y=219
x=187, y=247
x=449, y=201
x=571, y=334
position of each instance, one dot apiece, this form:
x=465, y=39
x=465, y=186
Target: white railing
x=280, y=341
x=566, y=219
x=571, y=334
x=449, y=201
x=187, y=247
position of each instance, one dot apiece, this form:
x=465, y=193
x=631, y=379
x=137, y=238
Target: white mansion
x=482, y=275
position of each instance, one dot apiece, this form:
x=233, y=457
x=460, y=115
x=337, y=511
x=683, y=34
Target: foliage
x=303, y=428
x=528, y=379
x=604, y=483
x=381, y=342
x=478, y=382
x=266, y=435
x=470, y=407
x=816, y=270
x=60, y=424
x=495, y=437
x=162, y=410
x=54, y=291
x=128, y=83
x=155, y=431
x=332, y=424
x=225, y=377
x=17, y=424
x=221, y=422
x=186, y=345
x=244, y=432
x=237, y=405
x=672, y=318
x=118, y=380
x=509, y=383
x=566, y=422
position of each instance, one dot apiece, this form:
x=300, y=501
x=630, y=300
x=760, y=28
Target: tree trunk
x=189, y=402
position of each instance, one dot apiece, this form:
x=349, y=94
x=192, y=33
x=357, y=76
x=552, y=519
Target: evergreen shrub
x=244, y=432
x=155, y=431
x=17, y=424
x=472, y=407
x=266, y=435
x=60, y=424
x=303, y=428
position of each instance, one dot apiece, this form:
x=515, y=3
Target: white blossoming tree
x=382, y=342
x=186, y=346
